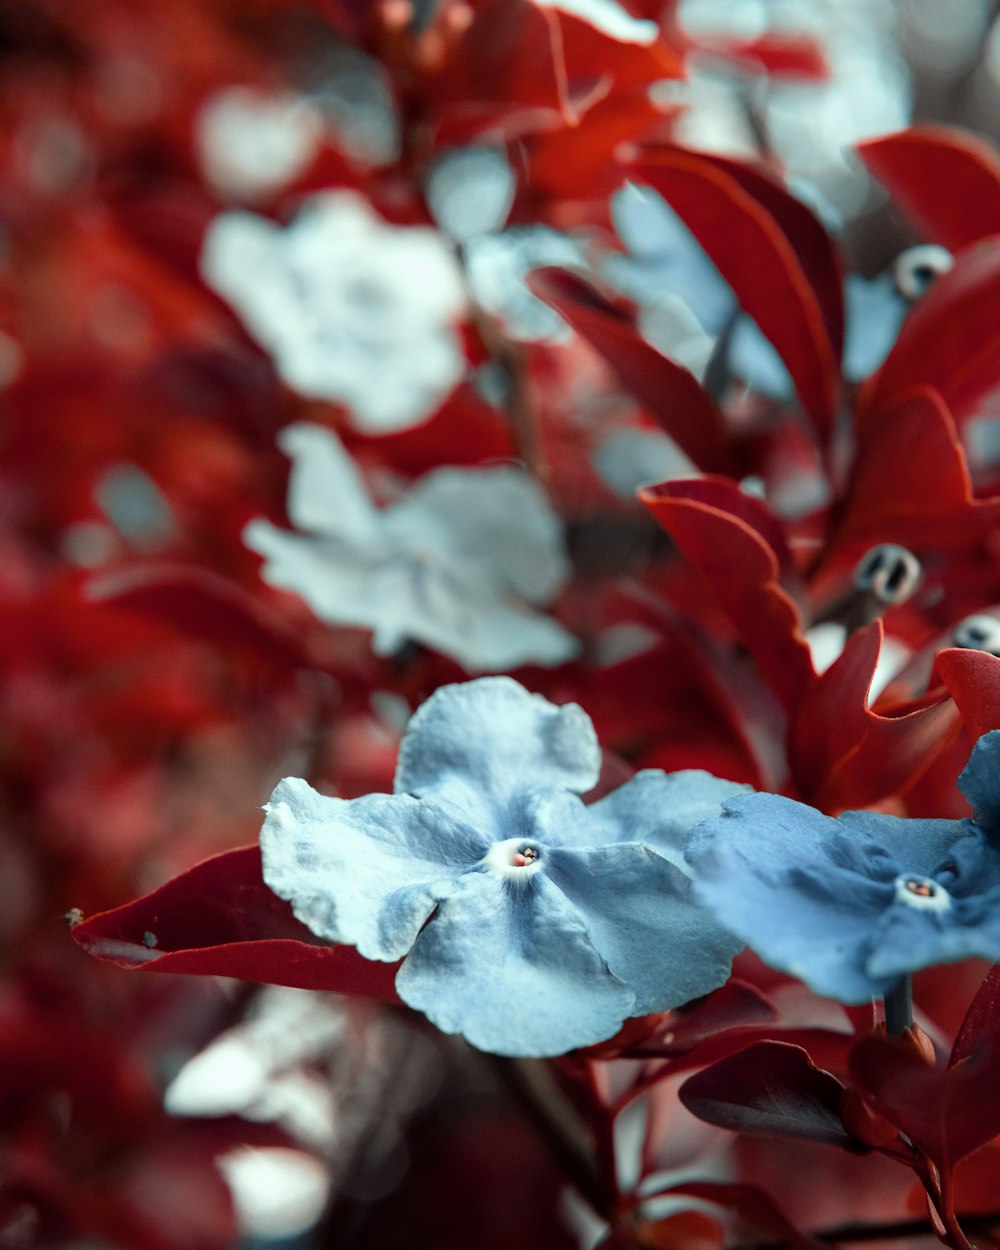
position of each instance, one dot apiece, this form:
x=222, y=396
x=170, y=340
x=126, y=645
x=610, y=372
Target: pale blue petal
x=326, y=494
x=496, y=736
x=642, y=917
x=980, y=782
x=369, y=871
x=659, y=809
x=808, y=892
x=338, y=580
x=499, y=517
x=510, y=966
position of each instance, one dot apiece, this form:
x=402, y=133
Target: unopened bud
x=889, y=572
x=866, y=1125
x=915, y=270
x=978, y=633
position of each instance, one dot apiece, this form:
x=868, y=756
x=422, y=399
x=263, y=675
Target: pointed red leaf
x=756, y=258
x=667, y=390
x=844, y=754
x=719, y=530
x=814, y=248
x=204, y=605
x=220, y=919
x=770, y=1088
x=973, y=678
x=753, y=1207
x=946, y=1113
x=950, y=341
x=910, y=484
x=982, y=1017
x=945, y=180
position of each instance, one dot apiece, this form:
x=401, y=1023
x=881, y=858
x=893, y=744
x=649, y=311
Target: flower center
x=515, y=857
x=923, y=893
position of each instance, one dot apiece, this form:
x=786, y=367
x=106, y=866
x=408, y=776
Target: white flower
x=251, y=143
x=454, y=564
x=351, y=309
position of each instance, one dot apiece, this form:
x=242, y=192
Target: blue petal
x=807, y=892
x=643, y=918
x=493, y=737
x=369, y=871
x=659, y=809
x=908, y=940
x=510, y=966
x=764, y=868
x=980, y=781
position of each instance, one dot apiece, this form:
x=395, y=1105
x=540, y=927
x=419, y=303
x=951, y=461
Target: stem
x=899, y=1007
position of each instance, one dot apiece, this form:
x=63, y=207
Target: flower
x=453, y=564
x=851, y=905
x=352, y=309
x=530, y=923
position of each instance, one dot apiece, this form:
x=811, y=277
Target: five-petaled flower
x=455, y=563
x=351, y=308
x=853, y=904
x=530, y=923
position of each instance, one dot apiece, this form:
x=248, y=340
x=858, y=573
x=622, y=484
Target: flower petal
x=510, y=966
x=367, y=871
x=500, y=517
x=326, y=493
x=499, y=738
x=980, y=782
x=643, y=918
x=659, y=809
x=808, y=892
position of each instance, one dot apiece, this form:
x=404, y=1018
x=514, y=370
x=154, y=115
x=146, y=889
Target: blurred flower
x=453, y=564
x=253, y=143
x=850, y=905
x=352, y=309
x=529, y=923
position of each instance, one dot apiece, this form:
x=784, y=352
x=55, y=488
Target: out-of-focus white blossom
x=470, y=191
x=497, y=265
x=454, y=564
x=251, y=143
x=351, y=309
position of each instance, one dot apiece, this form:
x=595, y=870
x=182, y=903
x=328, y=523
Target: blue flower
x=850, y=905
x=530, y=923
x=459, y=562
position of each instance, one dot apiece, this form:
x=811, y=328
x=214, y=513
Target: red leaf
x=719, y=530
x=982, y=1017
x=950, y=341
x=946, y=1113
x=946, y=181
x=220, y=919
x=753, y=1207
x=770, y=1088
x=911, y=483
x=844, y=754
x=814, y=248
x=780, y=56
x=736, y=1005
x=670, y=393
x=757, y=260
x=202, y=604
x=973, y=678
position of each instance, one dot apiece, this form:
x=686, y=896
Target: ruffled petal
x=326, y=494
x=498, y=738
x=368, y=871
x=644, y=920
x=511, y=967
x=808, y=892
x=659, y=809
x=980, y=782
x=498, y=517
